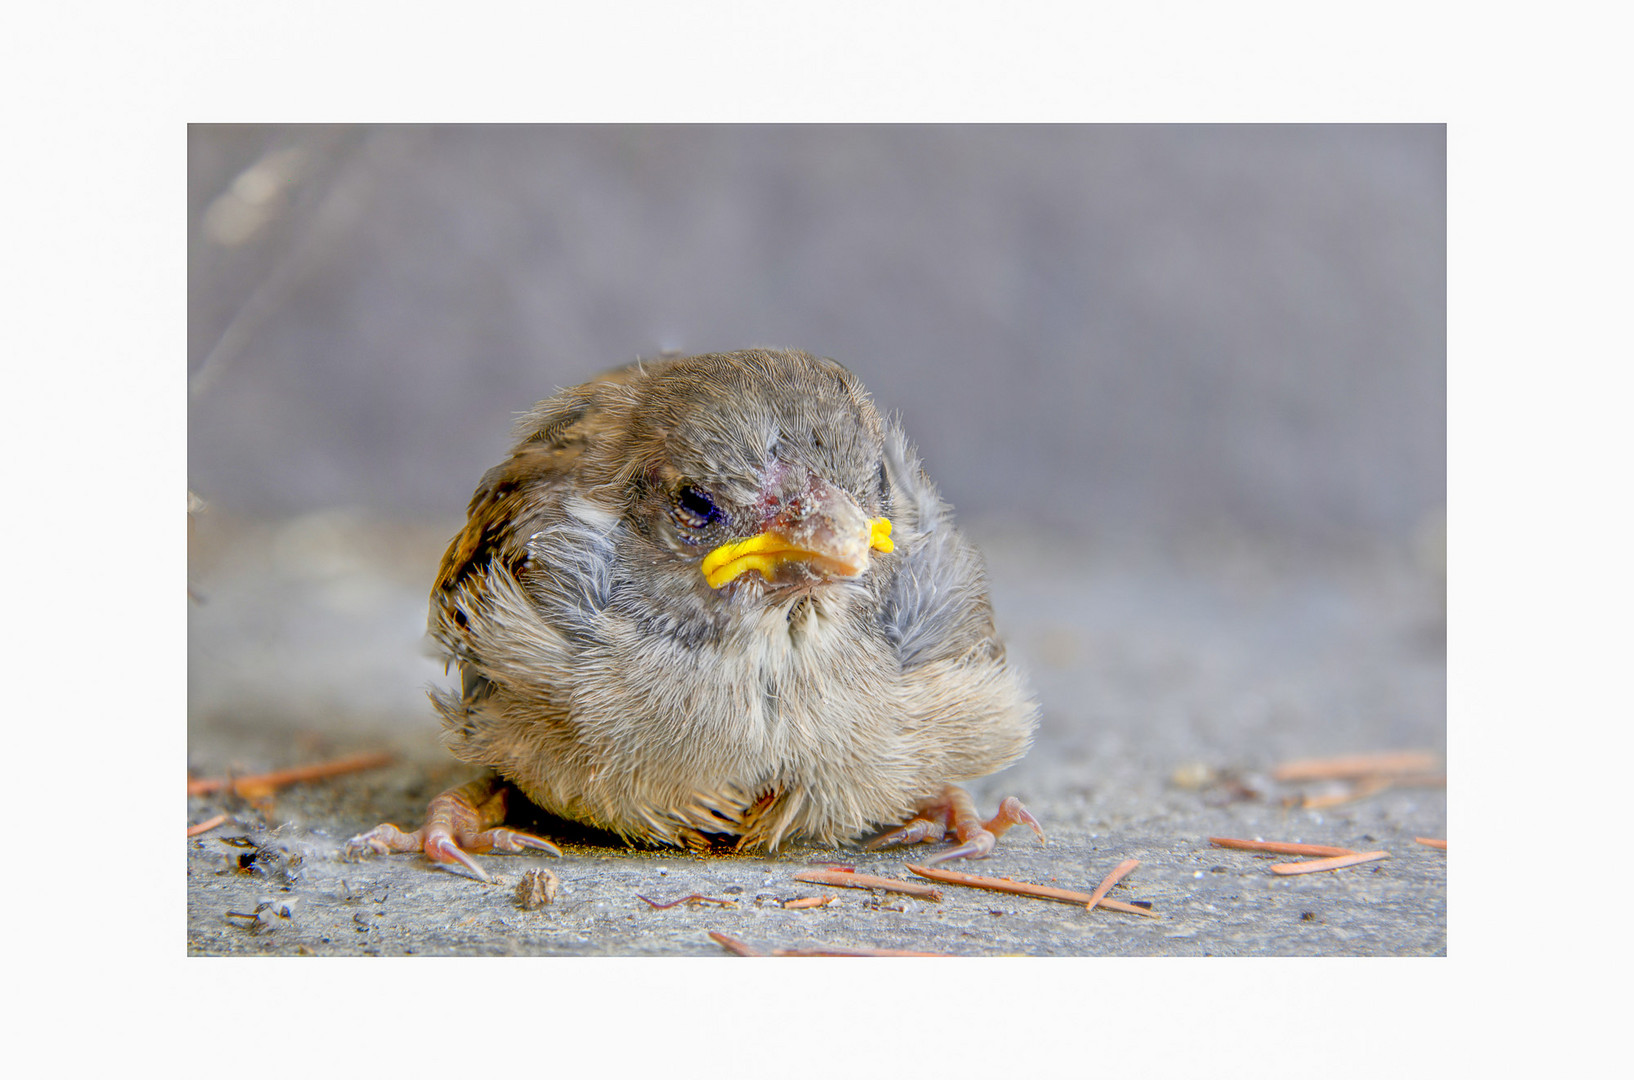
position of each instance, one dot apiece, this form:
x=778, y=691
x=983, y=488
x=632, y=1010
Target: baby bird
x=715, y=599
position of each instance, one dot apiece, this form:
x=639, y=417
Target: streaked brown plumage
x=836, y=681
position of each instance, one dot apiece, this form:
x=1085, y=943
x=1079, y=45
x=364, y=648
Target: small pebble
x=536, y=889
x=1193, y=776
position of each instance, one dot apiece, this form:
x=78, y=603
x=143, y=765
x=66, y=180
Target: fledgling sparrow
x=716, y=598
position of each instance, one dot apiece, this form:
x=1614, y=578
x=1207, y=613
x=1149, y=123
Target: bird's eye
x=694, y=508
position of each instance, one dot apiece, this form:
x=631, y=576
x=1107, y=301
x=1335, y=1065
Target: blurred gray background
x=1124, y=331
x=1186, y=386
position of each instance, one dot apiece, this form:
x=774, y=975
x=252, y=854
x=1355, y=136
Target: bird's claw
x=1011, y=812
x=442, y=848
x=917, y=831
x=513, y=842
x=454, y=829
x=368, y=843
x=977, y=837
x=979, y=846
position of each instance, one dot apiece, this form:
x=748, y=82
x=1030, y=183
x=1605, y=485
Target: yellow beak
x=771, y=549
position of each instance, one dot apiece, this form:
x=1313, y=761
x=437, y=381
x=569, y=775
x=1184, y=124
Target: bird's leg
x=930, y=823
x=460, y=821
x=977, y=837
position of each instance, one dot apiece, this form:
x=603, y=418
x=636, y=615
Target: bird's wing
x=551, y=441
x=506, y=606
x=937, y=606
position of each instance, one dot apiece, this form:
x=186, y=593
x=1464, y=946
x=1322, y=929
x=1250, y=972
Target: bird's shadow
x=524, y=815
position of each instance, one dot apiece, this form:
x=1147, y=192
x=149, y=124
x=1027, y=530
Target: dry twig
x=1277, y=847
x=694, y=898
x=1427, y=842
x=1316, y=866
x=733, y=945
x=1353, y=766
x=1425, y=779
x=265, y=783
x=804, y=902
x=1110, y=880
x=848, y=880
x=1022, y=888
x=1361, y=789
x=205, y=826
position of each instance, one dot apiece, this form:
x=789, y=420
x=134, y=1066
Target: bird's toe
x=918, y=831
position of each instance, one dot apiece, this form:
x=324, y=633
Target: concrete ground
x=1172, y=682
x=1128, y=332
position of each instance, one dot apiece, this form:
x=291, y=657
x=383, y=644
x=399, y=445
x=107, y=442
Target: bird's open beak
x=832, y=536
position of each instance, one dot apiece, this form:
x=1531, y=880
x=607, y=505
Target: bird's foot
x=920, y=830
x=461, y=821
x=953, y=807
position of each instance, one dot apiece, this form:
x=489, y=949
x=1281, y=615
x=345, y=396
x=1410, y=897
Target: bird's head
x=757, y=467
